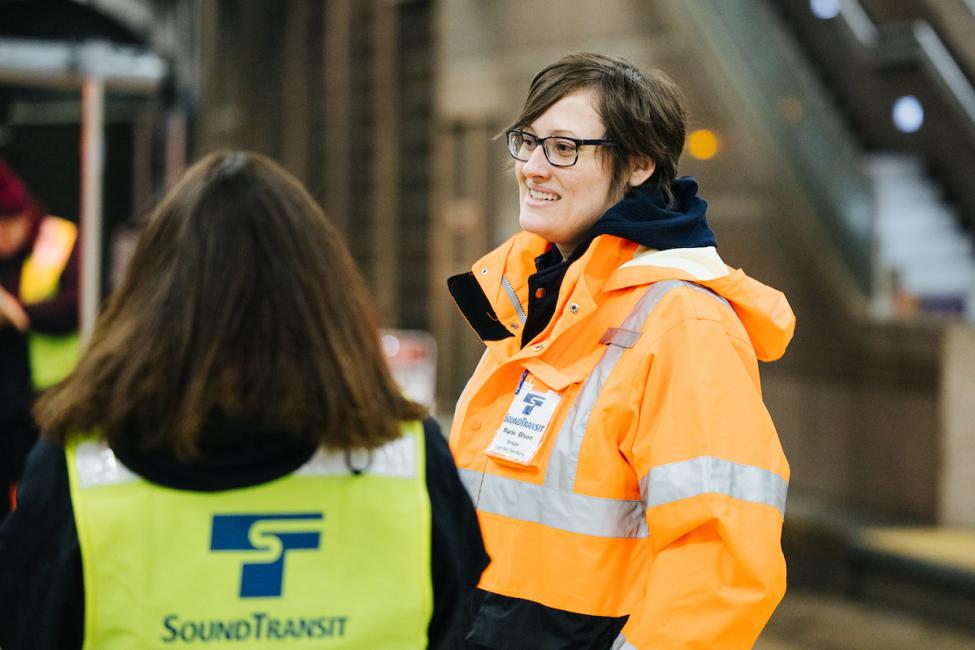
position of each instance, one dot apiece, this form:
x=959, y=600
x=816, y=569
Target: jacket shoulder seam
x=690, y=316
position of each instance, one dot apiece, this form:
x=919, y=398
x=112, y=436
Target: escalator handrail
x=741, y=34
x=926, y=44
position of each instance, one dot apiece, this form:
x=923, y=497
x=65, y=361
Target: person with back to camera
x=231, y=461
x=628, y=478
x=38, y=317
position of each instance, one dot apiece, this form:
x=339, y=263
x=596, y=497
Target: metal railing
x=769, y=74
x=917, y=41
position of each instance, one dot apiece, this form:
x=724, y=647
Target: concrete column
x=957, y=497
x=386, y=165
x=337, y=53
x=92, y=173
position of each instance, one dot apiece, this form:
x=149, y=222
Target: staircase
x=925, y=259
x=867, y=55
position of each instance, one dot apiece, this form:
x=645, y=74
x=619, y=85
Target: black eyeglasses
x=559, y=150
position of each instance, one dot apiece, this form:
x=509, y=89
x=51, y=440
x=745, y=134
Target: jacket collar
x=502, y=275
x=611, y=263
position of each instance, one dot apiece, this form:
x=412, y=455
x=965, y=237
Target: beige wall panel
x=894, y=432
x=807, y=415
x=491, y=50
x=958, y=414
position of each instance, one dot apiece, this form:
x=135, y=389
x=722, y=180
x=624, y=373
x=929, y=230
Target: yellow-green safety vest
x=321, y=558
x=52, y=357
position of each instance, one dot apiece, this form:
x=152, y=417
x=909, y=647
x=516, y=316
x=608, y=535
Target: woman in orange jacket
x=628, y=479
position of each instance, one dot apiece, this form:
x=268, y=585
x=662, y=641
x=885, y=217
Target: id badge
x=521, y=432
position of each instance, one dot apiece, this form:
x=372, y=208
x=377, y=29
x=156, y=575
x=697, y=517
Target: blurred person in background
x=231, y=459
x=628, y=478
x=38, y=317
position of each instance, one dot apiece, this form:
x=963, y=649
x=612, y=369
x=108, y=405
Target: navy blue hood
x=644, y=217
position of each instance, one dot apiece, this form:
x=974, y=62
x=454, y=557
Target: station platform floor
x=859, y=580
x=815, y=621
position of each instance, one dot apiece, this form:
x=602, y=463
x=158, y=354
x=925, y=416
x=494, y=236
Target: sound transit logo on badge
x=523, y=428
x=532, y=400
x=270, y=537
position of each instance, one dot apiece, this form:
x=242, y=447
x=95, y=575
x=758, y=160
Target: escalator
x=873, y=111
x=900, y=74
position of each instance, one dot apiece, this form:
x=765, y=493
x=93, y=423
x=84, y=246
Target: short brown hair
x=642, y=111
x=241, y=301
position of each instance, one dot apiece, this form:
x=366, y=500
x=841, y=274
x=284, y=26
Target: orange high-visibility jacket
x=658, y=486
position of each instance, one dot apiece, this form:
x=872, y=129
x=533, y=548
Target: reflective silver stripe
x=513, y=297
x=97, y=465
x=576, y=513
x=622, y=644
x=472, y=481
x=705, y=290
x=564, y=461
x=621, y=337
x=710, y=475
x=396, y=458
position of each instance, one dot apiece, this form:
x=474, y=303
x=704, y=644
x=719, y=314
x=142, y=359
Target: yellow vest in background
x=322, y=558
x=51, y=357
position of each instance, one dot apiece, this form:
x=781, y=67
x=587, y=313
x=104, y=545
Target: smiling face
x=560, y=204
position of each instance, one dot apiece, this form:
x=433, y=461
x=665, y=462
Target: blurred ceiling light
x=703, y=144
x=825, y=9
x=908, y=114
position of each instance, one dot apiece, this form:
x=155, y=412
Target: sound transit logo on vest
x=270, y=537
x=265, y=540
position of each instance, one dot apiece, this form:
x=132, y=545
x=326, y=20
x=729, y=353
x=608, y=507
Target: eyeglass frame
x=541, y=141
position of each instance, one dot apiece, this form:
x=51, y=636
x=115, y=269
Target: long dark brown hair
x=241, y=300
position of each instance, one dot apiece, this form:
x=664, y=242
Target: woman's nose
x=537, y=164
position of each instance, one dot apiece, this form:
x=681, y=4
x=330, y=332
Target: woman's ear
x=641, y=169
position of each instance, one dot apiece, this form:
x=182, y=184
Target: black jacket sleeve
x=457, y=551
x=41, y=597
